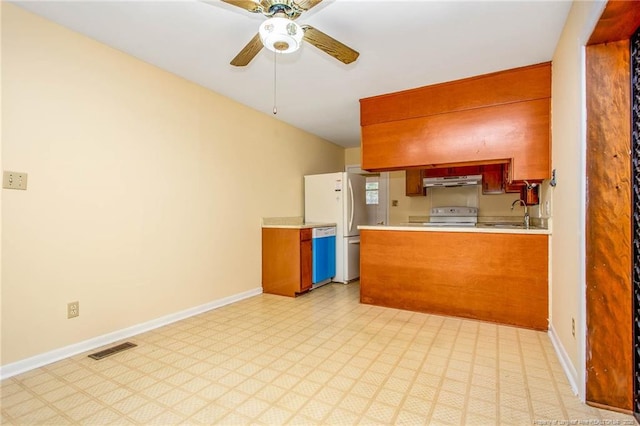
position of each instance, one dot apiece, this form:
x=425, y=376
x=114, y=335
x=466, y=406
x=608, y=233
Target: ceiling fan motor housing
x=281, y=35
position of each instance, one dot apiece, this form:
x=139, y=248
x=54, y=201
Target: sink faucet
x=526, y=211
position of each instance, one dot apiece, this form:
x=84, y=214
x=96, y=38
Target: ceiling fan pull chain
x=275, y=108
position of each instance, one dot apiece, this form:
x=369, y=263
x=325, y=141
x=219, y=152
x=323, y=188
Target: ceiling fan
x=280, y=33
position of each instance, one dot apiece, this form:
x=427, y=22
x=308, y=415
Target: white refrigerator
x=339, y=198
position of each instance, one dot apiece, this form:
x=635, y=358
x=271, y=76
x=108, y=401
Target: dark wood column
x=608, y=233
x=635, y=188
x=609, y=357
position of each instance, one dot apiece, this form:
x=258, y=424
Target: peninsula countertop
x=505, y=228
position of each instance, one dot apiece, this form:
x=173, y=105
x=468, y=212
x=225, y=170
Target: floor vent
x=106, y=352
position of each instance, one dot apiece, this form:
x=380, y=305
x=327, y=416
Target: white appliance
x=453, y=216
x=339, y=198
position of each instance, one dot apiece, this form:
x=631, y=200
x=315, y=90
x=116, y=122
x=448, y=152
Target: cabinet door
x=510, y=186
x=452, y=171
x=465, y=171
x=531, y=196
x=492, y=179
x=306, y=264
x=281, y=261
x=413, y=183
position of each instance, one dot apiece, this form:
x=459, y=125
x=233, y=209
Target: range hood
x=467, y=180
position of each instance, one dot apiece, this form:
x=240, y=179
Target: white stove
x=453, y=216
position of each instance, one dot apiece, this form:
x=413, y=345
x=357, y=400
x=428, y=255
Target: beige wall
x=352, y=156
x=1, y=162
x=145, y=191
x=567, y=261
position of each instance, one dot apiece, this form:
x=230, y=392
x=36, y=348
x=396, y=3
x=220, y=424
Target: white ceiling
x=402, y=45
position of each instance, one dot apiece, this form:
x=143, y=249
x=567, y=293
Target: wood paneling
x=480, y=91
x=608, y=227
x=517, y=131
x=501, y=278
x=619, y=21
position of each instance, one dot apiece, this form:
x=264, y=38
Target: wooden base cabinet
x=502, y=278
x=286, y=261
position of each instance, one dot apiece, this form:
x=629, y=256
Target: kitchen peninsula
x=495, y=126
x=491, y=274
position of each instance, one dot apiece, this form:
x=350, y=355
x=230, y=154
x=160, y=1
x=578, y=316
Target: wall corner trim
x=565, y=361
x=22, y=366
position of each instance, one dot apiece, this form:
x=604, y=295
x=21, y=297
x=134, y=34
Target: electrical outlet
x=14, y=180
x=73, y=309
x=573, y=327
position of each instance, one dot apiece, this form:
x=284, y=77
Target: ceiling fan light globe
x=281, y=35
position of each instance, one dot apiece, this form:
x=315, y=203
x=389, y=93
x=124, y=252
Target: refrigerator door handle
x=351, y=200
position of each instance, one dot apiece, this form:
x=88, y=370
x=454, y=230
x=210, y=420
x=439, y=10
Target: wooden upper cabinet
x=493, y=177
x=413, y=182
x=502, y=117
x=453, y=171
x=504, y=87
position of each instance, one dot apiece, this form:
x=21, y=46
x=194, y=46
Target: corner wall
x=145, y=191
x=352, y=156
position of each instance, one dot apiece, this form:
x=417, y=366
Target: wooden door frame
x=609, y=342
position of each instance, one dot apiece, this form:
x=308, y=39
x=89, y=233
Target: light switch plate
x=14, y=180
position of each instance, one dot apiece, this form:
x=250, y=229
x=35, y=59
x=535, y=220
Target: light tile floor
x=321, y=358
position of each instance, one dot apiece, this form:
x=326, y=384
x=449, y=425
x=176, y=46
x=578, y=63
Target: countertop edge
x=301, y=225
x=468, y=229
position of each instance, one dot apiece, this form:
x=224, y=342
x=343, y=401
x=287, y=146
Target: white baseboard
x=27, y=364
x=565, y=361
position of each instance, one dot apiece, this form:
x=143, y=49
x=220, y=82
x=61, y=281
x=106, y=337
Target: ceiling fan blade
x=248, y=52
x=249, y=5
x=329, y=45
x=306, y=4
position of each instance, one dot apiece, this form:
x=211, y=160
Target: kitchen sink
x=504, y=225
x=500, y=225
